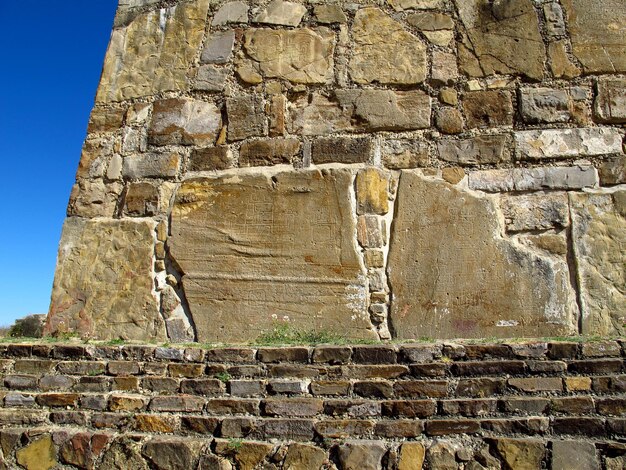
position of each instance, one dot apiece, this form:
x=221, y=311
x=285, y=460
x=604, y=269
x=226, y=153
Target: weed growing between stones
x=285, y=334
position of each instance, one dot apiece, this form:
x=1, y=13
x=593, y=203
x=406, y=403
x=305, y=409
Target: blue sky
x=51, y=56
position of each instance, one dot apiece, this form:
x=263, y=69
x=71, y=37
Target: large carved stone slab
x=104, y=281
x=453, y=275
x=598, y=32
x=256, y=250
x=599, y=236
x=153, y=53
x=500, y=37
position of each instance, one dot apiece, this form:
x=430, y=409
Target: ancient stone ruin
x=381, y=169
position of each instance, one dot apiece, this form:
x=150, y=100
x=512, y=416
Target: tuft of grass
x=285, y=334
x=234, y=445
x=115, y=342
x=223, y=377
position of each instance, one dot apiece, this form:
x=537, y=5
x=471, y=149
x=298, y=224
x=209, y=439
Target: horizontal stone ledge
x=534, y=179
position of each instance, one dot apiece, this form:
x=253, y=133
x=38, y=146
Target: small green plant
x=234, y=445
x=223, y=376
x=115, y=342
x=285, y=334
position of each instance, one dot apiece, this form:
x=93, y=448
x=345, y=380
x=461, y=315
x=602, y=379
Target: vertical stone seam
x=574, y=266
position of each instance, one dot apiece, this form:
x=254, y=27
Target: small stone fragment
x=403, y=154
x=282, y=13
x=560, y=63
x=304, y=457
x=341, y=150
x=141, y=200
x=94, y=198
x=363, y=455
x=449, y=120
x=613, y=171
x=211, y=78
x=537, y=211
x=444, y=69
x=411, y=456
x=521, y=454
x=453, y=175
x=231, y=12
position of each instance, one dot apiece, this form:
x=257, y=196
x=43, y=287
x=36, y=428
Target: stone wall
x=400, y=168
x=557, y=405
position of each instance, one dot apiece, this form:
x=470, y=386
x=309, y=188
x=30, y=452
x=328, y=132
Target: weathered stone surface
x=544, y=105
x=318, y=116
x=500, y=37
x=411, y=456
x=521, y=454
x=266, y=152
x=430, y=21
x=372, y=191
x=529, y=179
x=403, y=154
x=378, y=110
x=384, y=52
x=227, y=236
x=38, y=455
x=610, y=103
x=231, y=12
x=613, y=171
x=94, y=156
x=153, y=53
x=141, y=200
x=365, y=455
x=300, y=55
x=400, y=5
x=211, y=78
x=574, y=455
x=599, y=237
x=567, y=143
x=488, y=108
x=184, y=121
x=475, y=150
x=304, y=457
x=210, y=158
x=555, y=23
x=536, y=211
x=218, y=48
x=441, y=456
x=246, y=117
x=283, y=13
x=598, y=34
x=560, y=63
x=83, y=449
x=151, y=165
x=123, y=453
x=328, y=14
x=94, y=198
x=341, y=150
x=449, y=120
x=104, y=290
x=511, y=291
x=173, y=453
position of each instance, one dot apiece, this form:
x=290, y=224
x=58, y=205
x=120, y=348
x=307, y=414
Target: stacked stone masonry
x=552, y=405
x=384, y=169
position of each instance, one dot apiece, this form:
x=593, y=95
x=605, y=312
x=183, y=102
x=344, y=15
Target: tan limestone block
x=38, y=455
x=411, y=456
x=372, y=191
x=103, y=282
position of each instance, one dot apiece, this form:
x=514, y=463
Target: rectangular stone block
x=534, y=179
x=567, y=143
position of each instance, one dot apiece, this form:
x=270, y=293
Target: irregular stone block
x=372, y=191
x=613, y=171
x=411, y=456
x=555, y=23
x=569, y=455
x=567, y=143
x=318, y=116
x=521, y=454
x=329, y=14
x=211, y=78
x=231, y=12
x=341, y=150
x=533, y=179
x=266, y=152
x=400, y=5
x=536, y=211
x=39, y=454
x=560, y=62
x=227, y=236
x=184, y=121
x=488, y=108
x=598, y=34
x=151, y=165
x=430, y=21
x=500, y=37
x=610, y=103
x=141, y=200
x=282, y=13
x=365, y=455
x=475, y=150
x=403, y=154
x=302, y=456
x=104, y=290
x=378, y=110
x=470, y=282
x=300, y=55
x=246, y=117
x=94, y=198
x=153, y=53
x=599, y=237
x=544, y=105
x=218, y=48
x=384, y=51
x=173, y=453
x=449, y=120
x=210, y=158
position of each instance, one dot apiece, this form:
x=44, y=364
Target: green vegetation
x=285, y=334
x=234, y=445
x=223, y=376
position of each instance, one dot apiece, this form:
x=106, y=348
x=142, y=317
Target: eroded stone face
x=500, y=37
x=153, y=53
x=454, y=275
x=599, y=236
x=598, y=32
x=103, y=283
x=299, y=55
x=257, y=249
x=384, y=52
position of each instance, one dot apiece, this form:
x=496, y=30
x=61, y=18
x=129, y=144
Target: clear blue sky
x=51, y=55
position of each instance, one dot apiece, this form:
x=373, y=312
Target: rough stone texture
x=411, y=456
x=184, y=121
x=231, y=12
x=567, y=143
x=598, y=33
x=613, y=171
x=268, y=152
x=511, y=292
x=361, y=455
x=384, y=52
x=599, y=237
x=372, y=194
x=328, y=14
x=148, y=57
x=318, y=116
x=476, y=150
x=299, y=55
x=151, y=165
x=245, y=117
x=574, y=455
x=544, y=105
x=230, y=265
x=500, y=37
x=173, y=454
x=38, y=455
x=610, y=103
x=283, y=13
x=488, y=108
x=521, y=454
x=534, y=179
x=304, y=457
x=105, y=290
x=539, y=211
x=218, y=48
x=94, y=198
